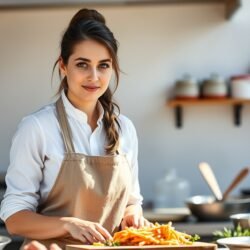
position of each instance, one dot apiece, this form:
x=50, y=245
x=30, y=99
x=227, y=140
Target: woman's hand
x=35, y=245
x=133, y=218
x=85, y=231
x=135, y=221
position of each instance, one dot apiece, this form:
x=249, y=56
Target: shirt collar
x=101, y=113
x=77, y=113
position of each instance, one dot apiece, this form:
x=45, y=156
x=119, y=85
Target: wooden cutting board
x=195, y=246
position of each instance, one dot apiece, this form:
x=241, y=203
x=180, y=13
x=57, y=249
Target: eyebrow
x=88, y=60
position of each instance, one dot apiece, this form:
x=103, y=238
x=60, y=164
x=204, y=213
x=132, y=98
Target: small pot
x=206, y=208
x=242, y=220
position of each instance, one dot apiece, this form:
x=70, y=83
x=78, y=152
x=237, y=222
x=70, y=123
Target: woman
x=73, y=174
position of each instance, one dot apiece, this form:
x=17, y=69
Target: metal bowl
x=206, y=208
x=241, y=219
x=4, y=240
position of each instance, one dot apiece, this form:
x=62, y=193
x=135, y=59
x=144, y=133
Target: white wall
x=157, y=45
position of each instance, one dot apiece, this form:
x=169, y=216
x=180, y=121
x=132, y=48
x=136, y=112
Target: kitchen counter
x=183, y=221
x=201, y=228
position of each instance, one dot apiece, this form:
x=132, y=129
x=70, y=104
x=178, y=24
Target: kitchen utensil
x=210, y=208
x=207, y=208
x=242, y=174
x=235, y=243
x=209, y=177
x=4, y=240
x=241, y=219
x=195, y=246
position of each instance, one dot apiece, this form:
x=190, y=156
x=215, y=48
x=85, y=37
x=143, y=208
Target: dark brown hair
x=90, y=24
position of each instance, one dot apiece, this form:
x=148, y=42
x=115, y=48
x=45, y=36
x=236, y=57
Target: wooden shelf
x=179, y=104
x=203, y=101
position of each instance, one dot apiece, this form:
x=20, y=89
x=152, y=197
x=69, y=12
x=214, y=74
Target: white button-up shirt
x=38, y=149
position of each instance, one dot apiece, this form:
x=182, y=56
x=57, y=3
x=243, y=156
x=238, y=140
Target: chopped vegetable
x=195, y=238
x=156, y=234
x=227, y=232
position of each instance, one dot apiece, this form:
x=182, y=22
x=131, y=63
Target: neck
x=89, y=108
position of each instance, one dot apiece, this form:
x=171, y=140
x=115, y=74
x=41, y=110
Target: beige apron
x=92, y=188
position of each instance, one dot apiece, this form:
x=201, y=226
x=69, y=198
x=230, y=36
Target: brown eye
x=82, y=65
x=104, y=66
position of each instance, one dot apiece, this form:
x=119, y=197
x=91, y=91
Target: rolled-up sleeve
x=24, y=173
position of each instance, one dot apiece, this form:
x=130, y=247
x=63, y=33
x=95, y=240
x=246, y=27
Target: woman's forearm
x=35, y=226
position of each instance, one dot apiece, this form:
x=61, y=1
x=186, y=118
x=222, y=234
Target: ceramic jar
x=186, y=88
x=240, y=86
x=214, y=87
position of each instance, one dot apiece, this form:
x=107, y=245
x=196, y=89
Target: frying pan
x=207, y=208
x=217, y=209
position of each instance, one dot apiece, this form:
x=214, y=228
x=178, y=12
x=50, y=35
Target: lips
x=91, y=88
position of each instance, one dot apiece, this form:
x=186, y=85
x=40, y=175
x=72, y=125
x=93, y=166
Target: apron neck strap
x=64, y=124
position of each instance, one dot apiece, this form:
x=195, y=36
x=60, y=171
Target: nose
x=93, y=74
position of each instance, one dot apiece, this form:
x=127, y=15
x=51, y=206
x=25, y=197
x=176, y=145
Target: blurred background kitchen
x=159, y=43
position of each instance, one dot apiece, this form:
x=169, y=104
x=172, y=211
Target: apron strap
x=64, y=124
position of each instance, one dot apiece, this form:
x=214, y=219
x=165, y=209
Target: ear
x=62, y=66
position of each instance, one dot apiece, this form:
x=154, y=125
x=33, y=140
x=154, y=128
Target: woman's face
x=88, y=72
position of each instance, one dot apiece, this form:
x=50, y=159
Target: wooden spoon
x=239, y=177
x=209, y=177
